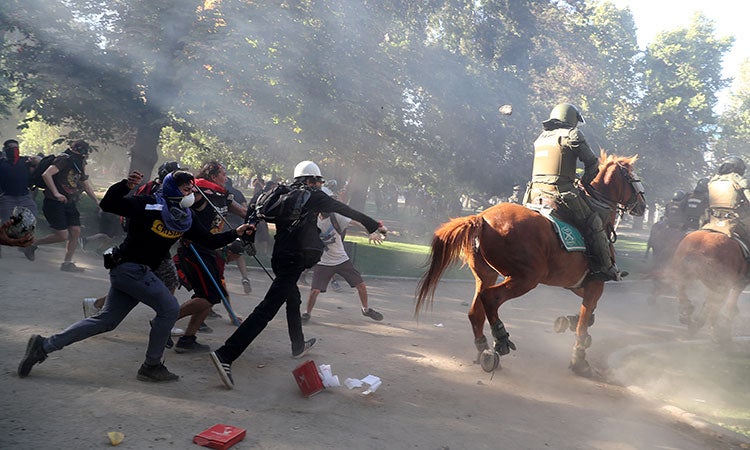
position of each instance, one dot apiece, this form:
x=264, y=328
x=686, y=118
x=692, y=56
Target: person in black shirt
x=156, y=222
x=288, y=262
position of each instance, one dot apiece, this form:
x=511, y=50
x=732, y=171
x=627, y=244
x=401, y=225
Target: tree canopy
x=404, y=90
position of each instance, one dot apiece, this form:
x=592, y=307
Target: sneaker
x=89, y=307
x=69, y=266
x=205, y=328
x=305, y=318
x=224, y=369
x=372, y=314
x=308, y=345
x=213, y=314
x=29, y=251
x=169, y=343
x=188, y=344
x=246, y=286
x=336, y=286
x=177, y=332
x=156, y=373
x=82, y=242
x=34, y=354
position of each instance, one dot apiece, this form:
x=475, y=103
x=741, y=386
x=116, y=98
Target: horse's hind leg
x=686, y=307
x=484, y=276
x=722, y=325
x=591, y=294
x=492, y=298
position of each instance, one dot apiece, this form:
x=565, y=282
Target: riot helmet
x=167, y=168
x=565, y=112
x=678, y=196
x=733, y=164
x=702, y=186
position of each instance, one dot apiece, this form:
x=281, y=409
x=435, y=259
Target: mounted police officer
x=729, y=200
x=696, y=206
x=674, y=211
x=556, y=152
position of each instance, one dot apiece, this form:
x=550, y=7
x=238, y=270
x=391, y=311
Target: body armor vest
x=552, y=162
x=725, y=192
x=696, y=206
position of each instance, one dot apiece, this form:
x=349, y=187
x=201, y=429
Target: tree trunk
x=143, y=154
x=358, y=190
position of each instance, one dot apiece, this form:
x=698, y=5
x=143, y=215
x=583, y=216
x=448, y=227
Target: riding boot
x=599, y=247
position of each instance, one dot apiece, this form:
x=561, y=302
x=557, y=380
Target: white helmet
x=307, y=169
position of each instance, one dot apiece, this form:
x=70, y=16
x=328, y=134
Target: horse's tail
x=450, y=241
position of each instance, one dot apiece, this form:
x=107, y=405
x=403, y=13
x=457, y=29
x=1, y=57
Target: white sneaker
x=89, y=308
x=177, y=331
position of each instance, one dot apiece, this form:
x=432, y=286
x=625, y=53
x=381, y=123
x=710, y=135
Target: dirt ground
x=432, y=396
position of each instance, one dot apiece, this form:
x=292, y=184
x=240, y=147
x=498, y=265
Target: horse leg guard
x=481, y=344
x=503, y=345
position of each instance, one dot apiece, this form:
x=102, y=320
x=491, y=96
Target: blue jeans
x=130, y=284
x=287, y=269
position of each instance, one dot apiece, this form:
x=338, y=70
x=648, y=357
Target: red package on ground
x=220, y=436
x=308, y=378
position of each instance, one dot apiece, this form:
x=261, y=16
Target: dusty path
x=432, y=396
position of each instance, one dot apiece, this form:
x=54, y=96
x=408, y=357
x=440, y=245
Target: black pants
x=287, y=269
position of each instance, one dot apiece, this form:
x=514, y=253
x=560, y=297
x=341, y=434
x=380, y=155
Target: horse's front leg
x=578, y=364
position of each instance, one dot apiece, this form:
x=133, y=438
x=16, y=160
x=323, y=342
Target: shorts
x=323, y=274
x=61, y=216
x=200, y=281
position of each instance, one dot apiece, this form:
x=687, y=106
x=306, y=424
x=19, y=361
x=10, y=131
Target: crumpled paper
x=327, y=376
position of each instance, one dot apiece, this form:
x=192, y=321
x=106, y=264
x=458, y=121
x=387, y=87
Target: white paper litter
x=374, y=383
x=327, y=377
x=352, y=383
x=439, y=325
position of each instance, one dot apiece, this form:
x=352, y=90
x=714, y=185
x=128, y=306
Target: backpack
x=282, y=203
x=35, y=178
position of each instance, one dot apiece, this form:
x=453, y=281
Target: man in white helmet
x=288, y=262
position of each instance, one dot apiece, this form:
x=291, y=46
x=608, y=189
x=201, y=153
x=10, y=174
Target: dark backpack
x=35, y=178
x=282, y=204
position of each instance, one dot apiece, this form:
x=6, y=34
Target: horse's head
x=618, y=184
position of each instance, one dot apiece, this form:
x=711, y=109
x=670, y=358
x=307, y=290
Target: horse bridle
x=636, y=200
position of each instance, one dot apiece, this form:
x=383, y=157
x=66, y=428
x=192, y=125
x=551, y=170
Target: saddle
x=570, y=238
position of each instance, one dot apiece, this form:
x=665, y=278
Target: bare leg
x=311, y=300
x=74, y=233
x=198, y=308
x=362, y=291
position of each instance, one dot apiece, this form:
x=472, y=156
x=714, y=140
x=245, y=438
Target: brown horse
x=716, y=261
x=521, y=244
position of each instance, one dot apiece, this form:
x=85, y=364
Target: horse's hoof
x=490, y=360
x=582, y=368
x=561, y=324
x=585, y=342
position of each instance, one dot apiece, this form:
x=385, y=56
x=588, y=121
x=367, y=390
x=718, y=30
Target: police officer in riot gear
x=729, y=200
x=696, y=206
x=556, y=152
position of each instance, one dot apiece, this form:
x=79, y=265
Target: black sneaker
x=224, y=369
x=308, y=345
x=213, y=314
x=372, y=314
x=156, y=374
x=69, y=266
x=305, y=318
x=34, y=354
x=188, y=344
x=205, y=328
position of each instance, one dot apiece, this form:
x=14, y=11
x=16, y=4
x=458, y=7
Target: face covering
x=187, y=201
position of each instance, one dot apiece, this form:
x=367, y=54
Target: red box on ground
x=220, y=436
x=308, y=378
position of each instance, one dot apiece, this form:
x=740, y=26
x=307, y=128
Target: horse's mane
x=606, y=160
